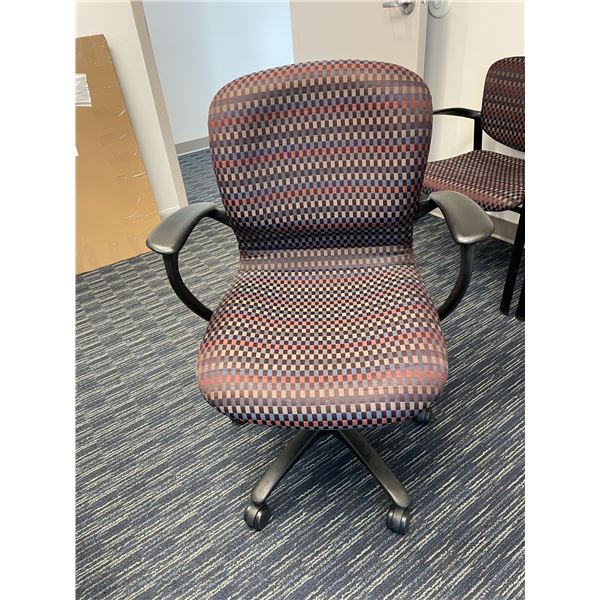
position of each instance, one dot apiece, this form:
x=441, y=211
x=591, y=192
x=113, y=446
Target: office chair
x=495, y=181
x=327, y=326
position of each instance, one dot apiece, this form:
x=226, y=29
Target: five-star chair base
x=257, y=513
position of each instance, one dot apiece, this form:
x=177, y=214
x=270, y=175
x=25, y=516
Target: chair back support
x=321, y=155
x=503, y=105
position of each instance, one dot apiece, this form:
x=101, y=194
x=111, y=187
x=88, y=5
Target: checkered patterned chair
x=327, y=326
x=495, y=181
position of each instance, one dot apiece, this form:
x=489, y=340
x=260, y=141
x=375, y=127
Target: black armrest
x=459, y=111
x=468, y=113
x=468, y=224
x=467, y=221
x=169, y=237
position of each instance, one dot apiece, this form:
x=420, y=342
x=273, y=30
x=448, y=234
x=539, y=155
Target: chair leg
x=513, y=268
x=398, y=516
x=520, y=314
x=257, y=513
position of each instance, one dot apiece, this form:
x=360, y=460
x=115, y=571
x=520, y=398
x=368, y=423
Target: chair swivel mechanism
x=494, y=180
x=327, y=327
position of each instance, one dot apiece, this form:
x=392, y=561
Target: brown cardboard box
x=115, y=205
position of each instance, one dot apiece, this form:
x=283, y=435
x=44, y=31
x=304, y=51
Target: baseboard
x=165, y=212
x=191, y=146
x=504, y=228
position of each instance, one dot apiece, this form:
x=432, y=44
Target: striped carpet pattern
x=163, y=478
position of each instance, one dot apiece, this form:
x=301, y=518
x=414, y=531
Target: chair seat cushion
x=317, y=342
x=495, y=181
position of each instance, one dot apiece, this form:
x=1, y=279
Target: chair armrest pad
x=458, y=111
x=169, y=236
x=467, y=221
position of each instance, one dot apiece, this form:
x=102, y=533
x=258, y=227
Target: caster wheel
x=257, y=517
x=424, y=417
x=398, y=519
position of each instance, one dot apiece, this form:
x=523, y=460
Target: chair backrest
x=321, y=155
x=503, y=105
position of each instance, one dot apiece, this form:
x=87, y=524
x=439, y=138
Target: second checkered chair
x=495, y=181
x=327, y=326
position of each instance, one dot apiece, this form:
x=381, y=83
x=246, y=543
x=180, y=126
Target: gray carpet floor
x=163, y=479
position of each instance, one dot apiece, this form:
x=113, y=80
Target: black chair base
x=257, y=513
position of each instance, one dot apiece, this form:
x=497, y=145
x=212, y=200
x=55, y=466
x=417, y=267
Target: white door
x=362, y=30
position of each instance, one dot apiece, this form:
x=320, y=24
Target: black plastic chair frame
x=519, y=242
x=468, y=224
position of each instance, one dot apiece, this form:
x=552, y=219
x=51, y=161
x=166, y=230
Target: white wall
x=201, y=46
x=122, y=23
x=460, y=48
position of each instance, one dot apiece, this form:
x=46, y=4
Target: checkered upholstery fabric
x=495, y=181
x=503, y=105
x=321, y=155
x=327, y=323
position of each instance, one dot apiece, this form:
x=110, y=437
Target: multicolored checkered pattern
x=503, y=105
x=327, y=323
x=321, y=155
x=495, y=181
